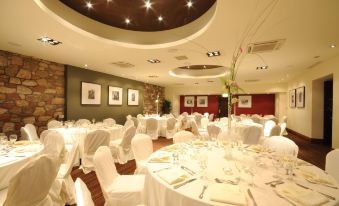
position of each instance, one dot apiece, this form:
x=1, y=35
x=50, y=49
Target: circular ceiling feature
x=199, y=71
x=148, y=16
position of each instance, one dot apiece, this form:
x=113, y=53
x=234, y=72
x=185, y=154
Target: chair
x=152, y=128
x=197, y=118
x=268, y=127
x=142, y=148
x=127, y=124
x=332, y=166
x=121, y=148
x=184, y=114
x=213, y=131
x=92, y=142
x=82, y=123
x=211, y=117
x=206, y=114
x=109, y=122
x=135, y=122
x=43, y=134
x=224, y=120
x=204, y=122
x=275, y=131
x=183, y=136
x=117, y=189
x=128, y=117
x=54, y=145
x=139, y=116
x=30, y=186
x=283, y=119
x=251, y=135
x=281, y=145
x=54, y=124
x=256, y=119
x=171, y=127
x=83, y=195
x=283, y=129
x=28, y=132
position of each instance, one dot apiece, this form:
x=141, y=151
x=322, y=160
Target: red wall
x=261, y=104
x=212, y=105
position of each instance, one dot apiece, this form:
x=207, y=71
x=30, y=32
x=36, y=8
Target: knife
x=251, y=196
x=183, y=183
x=188, y=170
x=326, y=195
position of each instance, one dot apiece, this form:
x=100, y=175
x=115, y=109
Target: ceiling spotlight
x=160, y=18
x=153, y=76
x=148, y=4
x=127, y=21
x=86, y=65
x=204, y=66
x=189, y=4
x=47, y=40
x=89, y=5
x=196, y=83
x=153, y=61
x=262, y=67
x=333, y=46
x=213, y=53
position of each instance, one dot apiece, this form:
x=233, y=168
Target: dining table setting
x=201, y=173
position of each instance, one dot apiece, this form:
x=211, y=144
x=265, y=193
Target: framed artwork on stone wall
x=90, y=93
x=245, y=101
x=292, y=98
x=189, y=101
x=202, y=101
x=132, y=97
x=300, y=97
x=114, y=95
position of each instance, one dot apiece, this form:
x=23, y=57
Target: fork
x=203, y=191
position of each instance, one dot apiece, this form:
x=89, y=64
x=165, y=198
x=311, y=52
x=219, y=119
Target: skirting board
x=303, y=136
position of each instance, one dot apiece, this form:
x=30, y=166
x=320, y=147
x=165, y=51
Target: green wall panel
x=74, y=76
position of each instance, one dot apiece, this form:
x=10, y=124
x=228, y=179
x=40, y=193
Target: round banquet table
x=12, y=159
x=162, y=124
x=239, y=127
x=161, y=193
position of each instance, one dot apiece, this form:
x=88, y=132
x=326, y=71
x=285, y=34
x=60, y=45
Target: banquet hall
x=169, y=102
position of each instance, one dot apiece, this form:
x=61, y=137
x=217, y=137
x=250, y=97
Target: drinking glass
x=13, y=138
x=289, y=165
x=3, y=138
x=276, y=163
x=203, y=160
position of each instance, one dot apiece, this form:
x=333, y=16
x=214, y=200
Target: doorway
x=328, y=107
x=223, y=108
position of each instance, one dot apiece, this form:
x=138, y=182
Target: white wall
x=302, y=120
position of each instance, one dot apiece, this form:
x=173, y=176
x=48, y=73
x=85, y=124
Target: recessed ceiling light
x=333, y=46
x=47, y=40
x=160, y=18
x=153, y=61
x=148, y=4
x=213, y=53
x=316, y=57
x=89, y=5
x=189, y=4
x=153, y=76
x=262, y=67
x=85, y=65
x=204, y=66
x=127, y=21
x=210, y=81
x=196, y=83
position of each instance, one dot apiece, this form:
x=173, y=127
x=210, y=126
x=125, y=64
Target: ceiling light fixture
x=204, y=66
x=189, y=4
x=50, y=41
x=89, y=5
x=196, y=83
x=153, y=61
x=127, y=21
x=160, y=18
x=213, y=53
x=148, y=4
x=262, y=67
x=333, y=46
x=153, y=76
x=86, y=65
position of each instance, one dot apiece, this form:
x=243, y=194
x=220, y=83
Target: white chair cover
x=83, y=195
x=30, y=186
x=171, y=127
x=109, y=122
x=281, y=145
x=185, y=114
x=268, y=127
x=32, y=134
x=332, y=166
x=142, y=147
x=54, y=124
x=251, y=135
x=275, y=131
x=24, y=134
x=82, y=123
x=139, y=116
x=121, y=149
x=283, y=129
x=284, y=119
x=206, y=114
x=128, y=117
x=122, y=190
x=195, y=129
x=43, y=134
x=135, y=122
x=197, y=118
x=256, y=119
x=204, y=122
x=92, y=142
x=128, y=124
x=224, y=120
x=183, y=136
x=213, y=131
x=211, y=117
x=54, y=145
x=152, y=128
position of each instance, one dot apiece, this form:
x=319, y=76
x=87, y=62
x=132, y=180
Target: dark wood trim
x=65, y=91
x=304, y=136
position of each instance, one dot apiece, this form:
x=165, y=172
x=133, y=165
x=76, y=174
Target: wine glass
x=203, y=159
x=13, y=138
x=276, y=163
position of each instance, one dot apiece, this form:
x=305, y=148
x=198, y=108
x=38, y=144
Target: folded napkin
x=300, y=196
x=170, y=148
x=256, y=148
x=159, y=159
x=173, y=175
x=22, y=143
x=27, y=148
x=316, y=177
x=225, y=193
x=198, y=143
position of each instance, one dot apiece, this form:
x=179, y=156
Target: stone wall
x=31, y=91
x=150, y=95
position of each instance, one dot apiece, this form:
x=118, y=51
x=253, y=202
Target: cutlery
x=218, y=180
x=333, y=187
x=251, y=196
x=203, y=191
x=326, y=195
x=191, y=172
x=276, y=183
x=161, y=169
x=184, y=183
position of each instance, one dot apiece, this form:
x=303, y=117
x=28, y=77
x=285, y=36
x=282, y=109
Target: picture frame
x=114, y=95
x=202, y=101
x=245, y=101
x=90, y=93
x=132, y=97
x=300, y=97
x=292, y=98
x=189, y=101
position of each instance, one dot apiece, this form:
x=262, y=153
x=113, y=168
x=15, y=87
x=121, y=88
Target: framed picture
x=300, y=97
x=114, y=95
x=245, y=101
x=292, y=98
x=90, y=93
x=189, y=101
x=202, y=101
x=133, y=97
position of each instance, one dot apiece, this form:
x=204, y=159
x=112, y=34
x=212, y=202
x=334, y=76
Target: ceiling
x=308, y=27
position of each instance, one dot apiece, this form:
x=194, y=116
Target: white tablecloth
x=162, y=124
x=12, y=161
x=161, y=193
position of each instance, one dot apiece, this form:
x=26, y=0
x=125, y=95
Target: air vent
x=252, y=80
x=123, y=64
x=267, y=46
x=181, y=57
